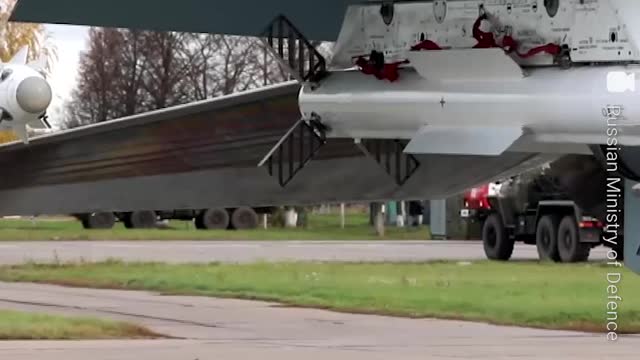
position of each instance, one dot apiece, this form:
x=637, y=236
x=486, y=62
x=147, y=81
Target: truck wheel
x=497, y=244
x=244, y=218
x=547, y=238
x=569, y=246
x=211, y=219
x=100, y=220
x=140, y=220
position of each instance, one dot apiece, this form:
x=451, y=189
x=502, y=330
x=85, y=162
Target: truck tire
x=145, y=219
x=244, y=218
x=497, y=244
x=99, y=220
x=547, y=238
x=570, y=248
x=212, y=219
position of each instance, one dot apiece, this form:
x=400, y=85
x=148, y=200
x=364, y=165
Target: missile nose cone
x=34, y=95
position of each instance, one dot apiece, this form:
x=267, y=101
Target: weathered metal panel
x=206, y=154
x=344, y=179
x=230, y=131
x=319, y=20
x=631, y=231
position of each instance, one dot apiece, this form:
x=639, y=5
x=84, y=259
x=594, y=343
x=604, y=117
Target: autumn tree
x=222, y=64
x=14, y=36
x=124, y=72
x=166, y=70
x=131, y=82
x=268, y=70
x=262, y=67
x=98, y=95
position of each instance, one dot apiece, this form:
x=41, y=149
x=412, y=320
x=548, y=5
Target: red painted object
x=485, y=39
x=477, y=198
x=376, y=66
x=380, y=71
x=426, y=45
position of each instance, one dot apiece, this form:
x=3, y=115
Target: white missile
x=478, y=101
x=482, y=78
x=25, y=95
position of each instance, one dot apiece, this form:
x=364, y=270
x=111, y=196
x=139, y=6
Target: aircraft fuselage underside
x=469, y=77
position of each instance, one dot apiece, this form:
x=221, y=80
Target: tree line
x=124, y=72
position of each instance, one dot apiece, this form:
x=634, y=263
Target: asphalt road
x=247, y=251
x=234, y=329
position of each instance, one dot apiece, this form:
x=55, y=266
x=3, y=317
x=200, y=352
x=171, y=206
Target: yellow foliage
x=16, y=35
x=7, y=136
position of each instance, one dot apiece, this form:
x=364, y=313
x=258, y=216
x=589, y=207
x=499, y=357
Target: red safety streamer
x=485, y=39
x=425, y=45
x=509, y=44
x=380, y=71
x=551, y=49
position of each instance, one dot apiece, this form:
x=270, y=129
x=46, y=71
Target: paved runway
x=246, y=251
x=234, y=329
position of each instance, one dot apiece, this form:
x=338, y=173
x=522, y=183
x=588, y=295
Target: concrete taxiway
x=208, y=328
x=247, y=251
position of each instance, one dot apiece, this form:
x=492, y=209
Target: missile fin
x=21, y=56
x=489, y=141
x=38, y=124
x=465, y=65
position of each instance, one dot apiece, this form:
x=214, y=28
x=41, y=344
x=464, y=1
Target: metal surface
x=293, y=51
x=294, y=151
x=211, y=134
x=590, y=31
x=205, y=155
x=25, y=95
x=239, y=17
x=390, y=156
x=288, y=90
x=327, y=179
x=438, y=223
x=553, y=106
x=631, y=227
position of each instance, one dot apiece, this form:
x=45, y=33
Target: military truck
x=532, y=208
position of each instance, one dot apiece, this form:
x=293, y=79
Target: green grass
x=518, y=293
x=28, y=326
x=321, y=227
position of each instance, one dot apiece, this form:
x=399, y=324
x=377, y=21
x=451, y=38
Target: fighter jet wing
x=318, y=21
